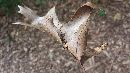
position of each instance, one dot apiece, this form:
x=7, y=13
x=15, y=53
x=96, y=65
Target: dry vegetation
x=28, y=50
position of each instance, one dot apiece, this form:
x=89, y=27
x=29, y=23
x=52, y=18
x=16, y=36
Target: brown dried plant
x=71, y=35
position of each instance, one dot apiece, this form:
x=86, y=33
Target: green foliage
x=7, y=6
x=40, y=2
x=129, y=57
x=101, y=12
x=95, y=1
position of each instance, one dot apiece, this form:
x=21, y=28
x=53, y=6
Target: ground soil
x=28, y=50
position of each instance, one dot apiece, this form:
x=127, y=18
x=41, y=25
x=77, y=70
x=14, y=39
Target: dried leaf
x=72, y=35
x=117, y=16
x=76, y=30
x=48, y=23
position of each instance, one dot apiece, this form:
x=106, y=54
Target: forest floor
x=28, y=50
